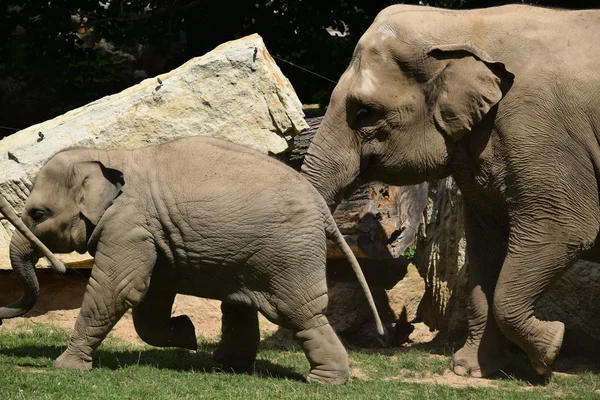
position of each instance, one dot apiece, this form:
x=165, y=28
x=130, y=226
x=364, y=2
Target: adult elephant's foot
x=71, y=360
x=479, y=362
x=547, y=347
x=326, y=354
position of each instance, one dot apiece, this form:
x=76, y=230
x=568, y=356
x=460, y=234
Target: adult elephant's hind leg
x=484, y=352
x=155, y=326
x=538, y=254
x=240, y=336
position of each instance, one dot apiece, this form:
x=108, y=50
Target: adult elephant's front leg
x=240, y=336
x=540, y=250
x=483, y=353
x=155, y=326
x=119, y=280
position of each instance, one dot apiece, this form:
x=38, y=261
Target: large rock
x=235, y=92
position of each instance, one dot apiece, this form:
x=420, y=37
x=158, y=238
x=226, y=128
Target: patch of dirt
x=574, y=366
x=61, y=296
x=448, y=378
x=359, y=374
x=32, y=370
x=421, y=334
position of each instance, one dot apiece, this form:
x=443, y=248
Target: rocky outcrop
x=235, y=92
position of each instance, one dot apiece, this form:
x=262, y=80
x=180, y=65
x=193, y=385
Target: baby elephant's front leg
x=155, y=326
x=116, y=284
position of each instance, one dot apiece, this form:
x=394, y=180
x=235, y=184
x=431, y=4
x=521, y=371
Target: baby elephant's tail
x=334, y=234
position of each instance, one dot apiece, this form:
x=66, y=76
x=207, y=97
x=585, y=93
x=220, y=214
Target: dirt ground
x=61, y=296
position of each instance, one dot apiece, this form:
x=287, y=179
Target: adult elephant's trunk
x=23, y=256
x=10, y=215
x=332, y=162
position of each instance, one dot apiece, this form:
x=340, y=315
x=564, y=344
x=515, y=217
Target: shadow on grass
x=171, y=359
x=517, y=367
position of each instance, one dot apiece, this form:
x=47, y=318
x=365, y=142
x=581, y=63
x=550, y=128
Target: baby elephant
x=196, y=216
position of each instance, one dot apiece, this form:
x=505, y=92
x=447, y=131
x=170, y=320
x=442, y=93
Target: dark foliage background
x=56, y=55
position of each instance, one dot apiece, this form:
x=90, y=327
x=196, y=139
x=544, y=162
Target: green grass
x=125, y=371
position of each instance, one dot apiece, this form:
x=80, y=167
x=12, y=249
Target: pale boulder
x=235, y=92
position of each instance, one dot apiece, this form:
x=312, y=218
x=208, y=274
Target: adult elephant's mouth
x=367, y=174
x=368, y=167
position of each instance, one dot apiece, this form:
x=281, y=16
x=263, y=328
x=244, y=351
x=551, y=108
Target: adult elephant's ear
x=465, y=90
x=99, y=187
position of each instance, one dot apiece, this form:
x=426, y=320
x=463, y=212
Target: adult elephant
x=26, y=275
x=507, y=101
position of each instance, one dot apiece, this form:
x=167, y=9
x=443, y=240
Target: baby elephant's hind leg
x=326, y=354
x=155, y=326
x=240, y=336
x=301, y=307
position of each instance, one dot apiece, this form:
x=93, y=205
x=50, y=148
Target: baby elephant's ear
x=465, y=90
x=99, y=187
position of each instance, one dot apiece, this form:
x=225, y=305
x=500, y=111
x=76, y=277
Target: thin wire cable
x=304, y=69
x=8, y=127
x=274, y=56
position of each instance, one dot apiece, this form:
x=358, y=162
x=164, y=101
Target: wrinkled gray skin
x=507, y=100
x=196, y=216
x=28, y=244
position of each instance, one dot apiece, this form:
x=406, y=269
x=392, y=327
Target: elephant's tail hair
x=334, y=234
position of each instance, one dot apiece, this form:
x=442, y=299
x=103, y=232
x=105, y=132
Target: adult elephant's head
x=70, y=194
x=412, y=90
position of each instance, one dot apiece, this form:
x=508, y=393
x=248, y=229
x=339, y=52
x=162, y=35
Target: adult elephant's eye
x=39, y=214
x=363, y=113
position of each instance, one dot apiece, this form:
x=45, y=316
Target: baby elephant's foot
x=182, y=333
x=470, y=360
x=328, y=377
x=236, y=360
x=543, y=354
x=69, y=360
x=327, y=357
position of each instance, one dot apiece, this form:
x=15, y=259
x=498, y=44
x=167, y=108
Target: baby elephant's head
x=69, y=196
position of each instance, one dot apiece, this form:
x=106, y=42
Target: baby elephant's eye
x=39, y=214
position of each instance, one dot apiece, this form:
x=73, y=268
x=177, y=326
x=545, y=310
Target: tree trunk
x=440, y=259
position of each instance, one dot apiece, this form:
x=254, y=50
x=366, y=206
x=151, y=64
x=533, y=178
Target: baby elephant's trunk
x=23, y=256
x=11, y=216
